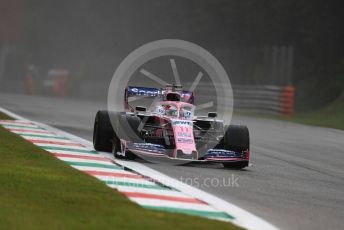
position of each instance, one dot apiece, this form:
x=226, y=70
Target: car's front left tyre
x=102, y=132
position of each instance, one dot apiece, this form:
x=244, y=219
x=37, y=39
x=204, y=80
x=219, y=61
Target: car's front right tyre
x=236, y=138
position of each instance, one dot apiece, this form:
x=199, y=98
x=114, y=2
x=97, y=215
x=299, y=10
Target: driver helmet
x=185, y=113
x=160, y=110
x=171, y=111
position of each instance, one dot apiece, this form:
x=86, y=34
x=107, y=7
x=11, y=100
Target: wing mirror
x=212, y=114
x=140, y=109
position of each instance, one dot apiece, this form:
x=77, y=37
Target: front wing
x=158, y=153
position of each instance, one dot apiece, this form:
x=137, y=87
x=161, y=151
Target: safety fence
x=264, y=99
x=247, y=98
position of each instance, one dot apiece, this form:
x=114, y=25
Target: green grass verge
x=5, y=117
x=331, y=116
x=39, y=191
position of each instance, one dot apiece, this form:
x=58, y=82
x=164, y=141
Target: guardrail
x=264, y=98
x=247, y=98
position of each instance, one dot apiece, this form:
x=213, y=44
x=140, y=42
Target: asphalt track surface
x=296, y=180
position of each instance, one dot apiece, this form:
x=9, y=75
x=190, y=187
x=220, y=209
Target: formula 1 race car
x=170, y=131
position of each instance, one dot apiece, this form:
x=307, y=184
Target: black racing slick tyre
x=102, y=132
x=236, y=138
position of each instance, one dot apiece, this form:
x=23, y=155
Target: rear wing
x=133, y=91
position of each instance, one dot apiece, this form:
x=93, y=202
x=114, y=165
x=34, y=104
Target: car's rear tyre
x=102, y=132
x=236, y=138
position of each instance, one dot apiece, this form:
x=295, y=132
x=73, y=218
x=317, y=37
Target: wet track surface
x=297, y=177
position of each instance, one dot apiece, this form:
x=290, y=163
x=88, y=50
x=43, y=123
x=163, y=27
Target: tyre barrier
x=264, y=99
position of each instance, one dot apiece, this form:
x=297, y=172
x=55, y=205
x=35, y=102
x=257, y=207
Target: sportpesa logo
x=143, y=92
x=181, y=123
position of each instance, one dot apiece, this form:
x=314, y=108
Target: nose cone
x=187, y=154
x=184, y=138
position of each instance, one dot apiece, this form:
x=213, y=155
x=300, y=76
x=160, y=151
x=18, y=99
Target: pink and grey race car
x=169, y=131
